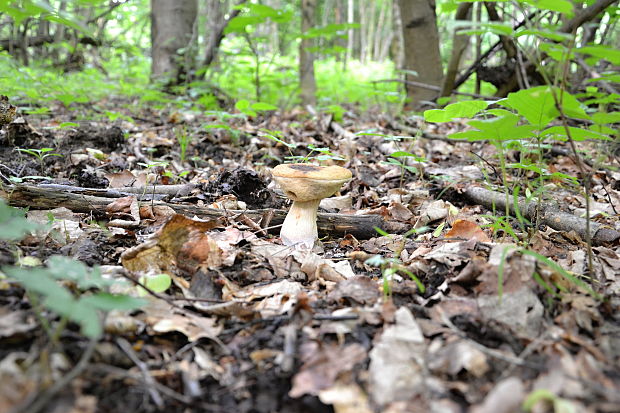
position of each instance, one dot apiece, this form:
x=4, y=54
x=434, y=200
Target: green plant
x=558, y=404
x=250, y=109
x=40, y=154
x=401, y=157
x=183, y=138
x=322, y=154
x=245, y=25
x=13, y=223
x=83, y=308
x=393, y=265
x=81, y=304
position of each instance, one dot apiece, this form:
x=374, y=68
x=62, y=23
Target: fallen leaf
x=467, y=230
x=321, y=366
x=397, y=361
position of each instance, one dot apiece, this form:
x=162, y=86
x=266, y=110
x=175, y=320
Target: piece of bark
x=36, y=197
x=548, y=215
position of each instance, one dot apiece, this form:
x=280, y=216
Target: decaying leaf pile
x=250, y=325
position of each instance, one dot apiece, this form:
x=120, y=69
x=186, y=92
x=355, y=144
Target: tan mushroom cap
x=304, y=182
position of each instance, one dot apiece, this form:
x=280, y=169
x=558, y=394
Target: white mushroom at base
x=306, y=185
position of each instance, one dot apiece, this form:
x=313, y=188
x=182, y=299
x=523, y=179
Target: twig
x=149, y=381
x=487, y=162
x=41, y=401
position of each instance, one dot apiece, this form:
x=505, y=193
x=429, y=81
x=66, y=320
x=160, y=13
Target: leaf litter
x=250, y=325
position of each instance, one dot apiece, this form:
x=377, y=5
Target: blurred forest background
x=209, y=54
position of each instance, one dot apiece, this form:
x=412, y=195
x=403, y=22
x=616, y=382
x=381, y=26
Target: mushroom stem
x=299, y=227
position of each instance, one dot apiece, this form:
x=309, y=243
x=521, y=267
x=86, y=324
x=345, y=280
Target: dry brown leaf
x=323, y=365
x=397, y=361
x=467, y=230
x=122, y=179
x=181, y=241
x=362, y=290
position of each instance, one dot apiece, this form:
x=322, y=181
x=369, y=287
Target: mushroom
x=306, y=185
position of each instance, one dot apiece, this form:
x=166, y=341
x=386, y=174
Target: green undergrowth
x=35, y=87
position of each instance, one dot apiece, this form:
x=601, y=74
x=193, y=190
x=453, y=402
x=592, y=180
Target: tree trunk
x=459, y=44
x=381, y=32
x=172, y=23
x=351, y=34
x=419, y=25
x=397, y=45
x=306, y=58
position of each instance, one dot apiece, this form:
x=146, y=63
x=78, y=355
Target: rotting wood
x=37, y=197
x=548, y=215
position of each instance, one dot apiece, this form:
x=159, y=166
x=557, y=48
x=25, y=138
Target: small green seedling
x=40, y=154
x=183, y=138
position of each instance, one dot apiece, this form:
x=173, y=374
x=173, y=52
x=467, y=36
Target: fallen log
x=77, y=200
x=548, y=215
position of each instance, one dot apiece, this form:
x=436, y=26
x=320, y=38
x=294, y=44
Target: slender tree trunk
x=380, y=34
x=421, y=49
x=350, y=20
x=459, y=44
x=306, y=58
x=216, y=34
x=172, y=24
x=364, y=27
x=478, y=49
x=397, y=46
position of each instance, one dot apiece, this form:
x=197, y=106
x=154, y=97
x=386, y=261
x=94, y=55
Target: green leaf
x=240, y=23
x=217, y=126
x=571, y=106
x=68, y=125
x=381, y=232
x=398, y=154
x=546, y=34
x=243, y=106
x=602, y=118
x=13, y=223
x=263, y=106
x=465, y=109
x=502, y=127
x=109, y=302
x=578, y=134
x=558, y=268
x=65, y=268
x=561, y=6
x=608, y=53
x=158, y=283
x=535, y=104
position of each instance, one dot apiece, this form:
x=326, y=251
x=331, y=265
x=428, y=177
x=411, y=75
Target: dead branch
x=463, y=78
x=585, y=15
x=548, y=215
x=36, y=197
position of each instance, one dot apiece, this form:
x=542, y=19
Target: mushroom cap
x=304, y=182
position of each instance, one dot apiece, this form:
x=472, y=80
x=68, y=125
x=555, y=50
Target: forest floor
x=250, y=325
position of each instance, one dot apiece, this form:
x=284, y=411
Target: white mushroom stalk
x=299, y=227
x=306, y=185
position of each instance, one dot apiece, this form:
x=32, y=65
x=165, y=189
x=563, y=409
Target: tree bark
x=419, y=25
x=307, y=81
x=172, y=23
